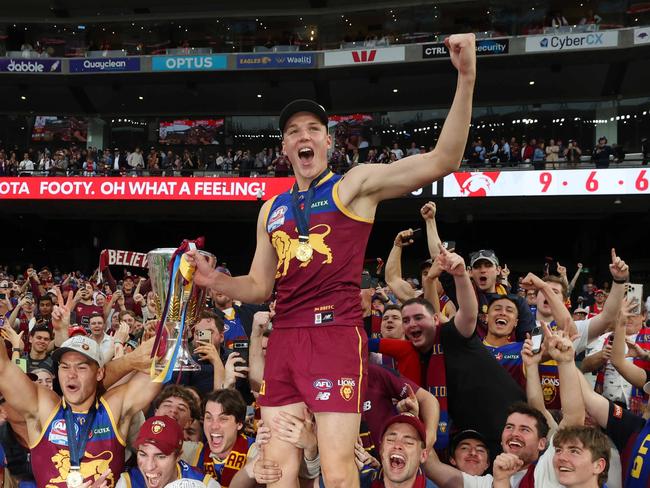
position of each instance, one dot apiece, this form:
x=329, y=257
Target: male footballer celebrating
x=310, y=245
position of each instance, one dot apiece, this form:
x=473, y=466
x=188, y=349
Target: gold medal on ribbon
x=74, y=479
x=304, y=252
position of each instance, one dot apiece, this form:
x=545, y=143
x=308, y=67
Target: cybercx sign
x=365, y=56
x=567, y=42
x=30, y=66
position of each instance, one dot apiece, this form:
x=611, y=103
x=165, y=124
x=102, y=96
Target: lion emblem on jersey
x=286, y=247
x=91, y=467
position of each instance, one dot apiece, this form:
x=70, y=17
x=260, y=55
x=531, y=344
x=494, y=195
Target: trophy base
x=184, y=361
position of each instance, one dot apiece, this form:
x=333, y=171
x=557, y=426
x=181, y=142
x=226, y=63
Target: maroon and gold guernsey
x=324, y=290
x=104, y=449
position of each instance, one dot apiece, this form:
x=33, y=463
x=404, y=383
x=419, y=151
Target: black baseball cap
x=302, y=105
x=467, y=434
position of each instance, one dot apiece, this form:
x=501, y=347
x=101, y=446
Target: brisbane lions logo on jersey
x=286, y=248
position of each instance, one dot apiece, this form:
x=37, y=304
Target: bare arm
x=465, y=318
x=400, y=287
x=381, y=182
x=139, y=359
x=428, y=212
x=561, y=314
x=573, y=407
x=596, y=361
x=574, y=280
x=128, y=399
x=628, y=370
x=597, y=406
x=534, y=393
x=442, y=474
x=14, y=313
x=430, y=286
x=21, y=393
x=257, y=285
x=256, y=354
x=621, y=272
x=430, y=414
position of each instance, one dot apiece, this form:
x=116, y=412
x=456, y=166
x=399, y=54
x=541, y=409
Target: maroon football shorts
x=323, y=366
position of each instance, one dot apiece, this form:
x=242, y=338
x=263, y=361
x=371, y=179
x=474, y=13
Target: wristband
x=620, y=282
x=16, y=349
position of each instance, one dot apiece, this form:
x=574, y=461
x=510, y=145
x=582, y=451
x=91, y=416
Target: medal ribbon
x=77, y=444
x=302, y=215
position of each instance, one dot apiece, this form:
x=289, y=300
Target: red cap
x=162, y=432
x=407, y=418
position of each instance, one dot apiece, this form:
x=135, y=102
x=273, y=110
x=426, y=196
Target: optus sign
x=30, y=66
x=189, y=63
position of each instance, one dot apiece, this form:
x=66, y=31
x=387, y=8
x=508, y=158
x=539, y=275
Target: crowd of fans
x=243, y=35
x=269, y=161
x=418, y=430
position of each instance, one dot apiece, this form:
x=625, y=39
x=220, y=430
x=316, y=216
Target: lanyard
x=303, y=211
x=77, y=443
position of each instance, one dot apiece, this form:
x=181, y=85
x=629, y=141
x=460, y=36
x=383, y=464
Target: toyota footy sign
x=615, y=181
x=365, y=56
x=571, y=42
x=144, y=188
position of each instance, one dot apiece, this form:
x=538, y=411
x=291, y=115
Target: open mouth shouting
x=306, y=154
x=397, y=462
x=216, y=442
x=501, y=322
x=515, y=446
x=154, y=480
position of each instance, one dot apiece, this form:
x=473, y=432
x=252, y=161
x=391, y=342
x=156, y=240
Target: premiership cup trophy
x=179, y=301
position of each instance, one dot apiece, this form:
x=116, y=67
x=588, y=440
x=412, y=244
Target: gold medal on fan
x=74, y=479
x=304, y=252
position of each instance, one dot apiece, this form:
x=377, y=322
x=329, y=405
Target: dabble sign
x=30, y=66
x=154, y=189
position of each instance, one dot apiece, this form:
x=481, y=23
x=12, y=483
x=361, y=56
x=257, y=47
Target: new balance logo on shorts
x=321, y=318
x=323, y=395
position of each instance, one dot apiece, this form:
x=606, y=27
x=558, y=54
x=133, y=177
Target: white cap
x=646, y=387
x=185, y=483
x=83, y=345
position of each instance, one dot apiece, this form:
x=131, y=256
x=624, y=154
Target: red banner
x=142, y=188
x=126, y=258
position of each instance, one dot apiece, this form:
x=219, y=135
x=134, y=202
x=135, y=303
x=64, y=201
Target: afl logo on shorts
x=323, y=384
x=276, y=219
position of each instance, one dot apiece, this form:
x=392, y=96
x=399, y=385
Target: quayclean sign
x=102, y=65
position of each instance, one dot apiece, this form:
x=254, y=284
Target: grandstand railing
x=632, y=160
